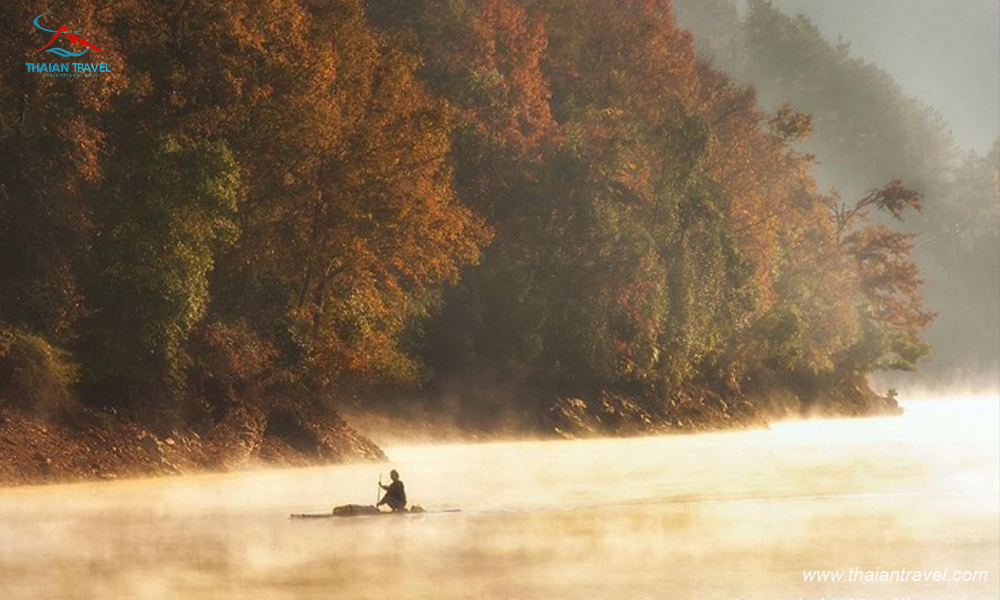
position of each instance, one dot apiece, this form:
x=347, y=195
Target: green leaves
x=280, y=191
x=35, y=376
x=167, y=209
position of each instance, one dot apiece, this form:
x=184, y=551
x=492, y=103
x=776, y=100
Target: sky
x=944, y=52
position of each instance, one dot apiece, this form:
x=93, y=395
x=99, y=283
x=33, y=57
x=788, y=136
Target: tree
x=50, y=147
x=346, y=208
x=165, y=212
x=889, y=302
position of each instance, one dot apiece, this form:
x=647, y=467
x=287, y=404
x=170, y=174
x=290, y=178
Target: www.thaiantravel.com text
x=855, y=574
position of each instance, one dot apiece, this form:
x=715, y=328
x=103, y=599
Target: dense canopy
x=511, y=200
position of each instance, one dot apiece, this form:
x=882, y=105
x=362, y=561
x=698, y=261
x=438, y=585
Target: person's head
x=394, y=475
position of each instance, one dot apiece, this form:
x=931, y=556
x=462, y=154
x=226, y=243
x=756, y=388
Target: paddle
x=379, y=491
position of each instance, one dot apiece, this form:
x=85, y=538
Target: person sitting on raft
x=395, y=493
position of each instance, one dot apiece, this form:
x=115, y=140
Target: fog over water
x=723, y=515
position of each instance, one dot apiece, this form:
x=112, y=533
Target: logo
x=66, y=69
x=73, y=38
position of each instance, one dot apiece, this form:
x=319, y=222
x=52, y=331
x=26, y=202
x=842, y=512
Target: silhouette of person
x=395, y=493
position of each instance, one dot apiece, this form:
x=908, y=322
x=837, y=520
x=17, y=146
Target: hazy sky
x=944, y=52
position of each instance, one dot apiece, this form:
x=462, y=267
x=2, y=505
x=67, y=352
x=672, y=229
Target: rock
x=169, y=467
x=610, y=415
x=44, y=462
x=149, y=444
x=622, y=416
x=571, y=417
x=563, y=434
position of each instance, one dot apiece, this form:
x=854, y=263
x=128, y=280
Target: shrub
x=35, y=376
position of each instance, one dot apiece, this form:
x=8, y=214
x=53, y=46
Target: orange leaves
x=637, y=55
x=505, y=61
x=765, y=180
x=889, y=278
x=790, y=125
x=378, y=221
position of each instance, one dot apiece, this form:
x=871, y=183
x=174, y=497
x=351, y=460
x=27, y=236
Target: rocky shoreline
x=86, y=444
x=701, y=409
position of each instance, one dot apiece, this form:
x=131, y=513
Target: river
x=726, y=515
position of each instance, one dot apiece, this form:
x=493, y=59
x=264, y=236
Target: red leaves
x=889, y=278
x=509, y=44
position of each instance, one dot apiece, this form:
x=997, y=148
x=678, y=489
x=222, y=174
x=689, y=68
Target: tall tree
x=50, y=148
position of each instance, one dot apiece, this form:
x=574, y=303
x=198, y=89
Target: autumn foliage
x=549, y=197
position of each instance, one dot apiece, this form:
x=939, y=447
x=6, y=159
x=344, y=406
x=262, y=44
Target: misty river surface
x=727, y=515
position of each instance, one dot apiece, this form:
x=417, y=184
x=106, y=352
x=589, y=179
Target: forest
x=568, y=215
x=868, y=131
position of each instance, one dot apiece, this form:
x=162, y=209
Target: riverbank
x=82, y=443
x=694, y=409
x=86, y=444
